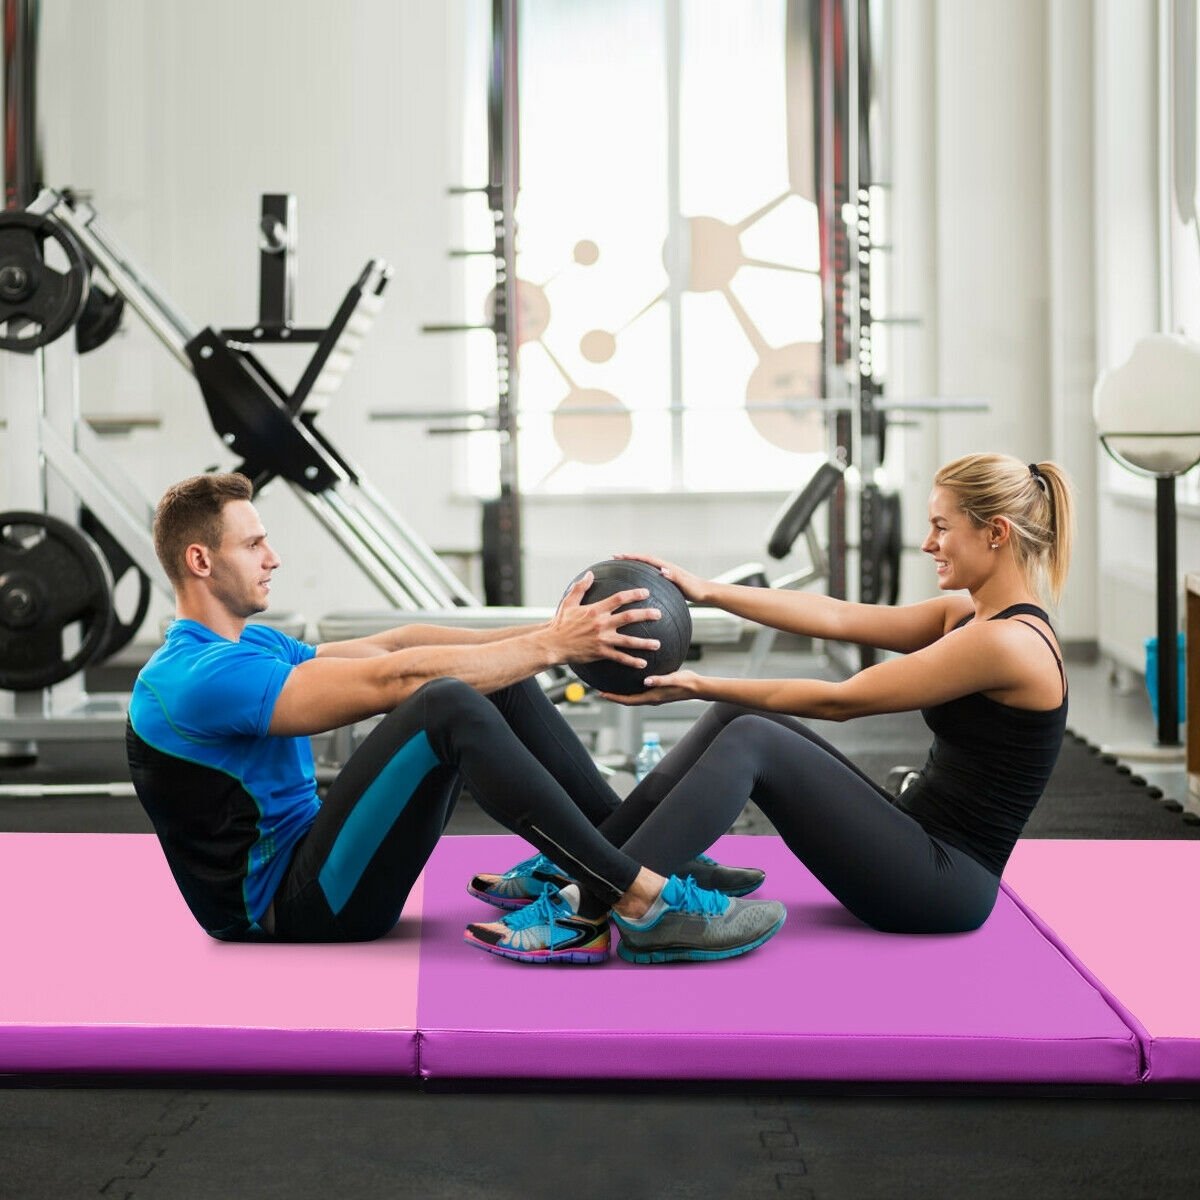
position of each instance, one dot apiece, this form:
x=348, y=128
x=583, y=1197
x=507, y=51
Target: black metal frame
x=1166, y=579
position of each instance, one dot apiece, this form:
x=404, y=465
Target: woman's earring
x=995, y=545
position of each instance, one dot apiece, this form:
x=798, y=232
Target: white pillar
x=993, y=285
x=1072, y=294
x=912, y=231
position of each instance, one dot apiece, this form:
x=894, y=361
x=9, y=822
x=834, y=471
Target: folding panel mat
x=1128, y=910
x=102, y=969
x=826, y=999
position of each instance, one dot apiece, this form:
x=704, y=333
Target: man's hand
x=585, y=632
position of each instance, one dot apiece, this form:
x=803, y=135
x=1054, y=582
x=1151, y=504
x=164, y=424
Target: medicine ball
x=673, y=629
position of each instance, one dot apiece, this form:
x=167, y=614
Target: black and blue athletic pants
x=352, y=872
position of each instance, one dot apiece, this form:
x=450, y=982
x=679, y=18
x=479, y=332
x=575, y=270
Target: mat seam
x=1142, y=1036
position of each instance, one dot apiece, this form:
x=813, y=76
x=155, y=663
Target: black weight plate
x=100, y=320
x=886, y=546
x=52, y=300
x=71, y=585
x=119, y=565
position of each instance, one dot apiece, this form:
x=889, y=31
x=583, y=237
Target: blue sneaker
x=694, y=924
x=547, y=930
x=520, y=885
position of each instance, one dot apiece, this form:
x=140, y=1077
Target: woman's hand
x=692, y=586
x=679, y=685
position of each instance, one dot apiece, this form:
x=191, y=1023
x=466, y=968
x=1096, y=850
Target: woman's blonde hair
x=1036, y=500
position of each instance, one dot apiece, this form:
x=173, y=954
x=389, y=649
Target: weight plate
x=119, y=565
x=101, y=317
x=886, y=546
x=53, y=580
x=33, y=294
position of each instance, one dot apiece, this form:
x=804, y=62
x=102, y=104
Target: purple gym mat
x=1127, y=909
x=104, y=969
x=827, y=998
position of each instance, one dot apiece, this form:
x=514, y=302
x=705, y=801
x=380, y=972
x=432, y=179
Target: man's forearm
x=405, y=637
x=485, y=666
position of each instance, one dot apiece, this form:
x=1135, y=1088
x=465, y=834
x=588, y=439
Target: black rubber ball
x=673, y=629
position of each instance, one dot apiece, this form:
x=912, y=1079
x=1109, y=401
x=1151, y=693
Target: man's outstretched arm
x=332, y=690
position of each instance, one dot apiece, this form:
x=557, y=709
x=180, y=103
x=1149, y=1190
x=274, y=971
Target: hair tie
x=1038, y=477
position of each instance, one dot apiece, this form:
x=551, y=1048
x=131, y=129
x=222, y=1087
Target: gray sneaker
x=698, y=926
x=716, y=877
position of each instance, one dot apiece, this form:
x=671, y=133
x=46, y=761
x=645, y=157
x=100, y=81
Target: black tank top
x=987, y=767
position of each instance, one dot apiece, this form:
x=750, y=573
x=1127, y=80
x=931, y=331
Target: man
x=217, y=740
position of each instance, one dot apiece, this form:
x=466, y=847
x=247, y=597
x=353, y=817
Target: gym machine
x=78, y=527
x=502, y=567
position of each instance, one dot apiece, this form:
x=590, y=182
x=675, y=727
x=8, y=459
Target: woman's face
x=960, y=548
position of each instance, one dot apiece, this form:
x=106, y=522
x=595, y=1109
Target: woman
x=982, y=664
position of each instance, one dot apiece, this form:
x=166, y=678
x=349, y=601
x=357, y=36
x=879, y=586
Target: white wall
x=1025, y=197
x=990, y=198
x=1023, y=211
x=1128, y=305
x=176, y=117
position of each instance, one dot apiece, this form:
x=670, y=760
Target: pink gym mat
x=104, y=969
x=1128, y=910
x=827, y=998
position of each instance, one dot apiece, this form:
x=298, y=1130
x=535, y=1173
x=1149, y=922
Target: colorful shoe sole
x=508, y=903
x=579, y=955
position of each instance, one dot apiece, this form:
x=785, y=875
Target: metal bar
x=800, y=404
x=21, y=165
x=1168, y=612
x=504, y=87
x=678, y=242
x=277, y=260
x=186, y=327
x=22, y=483
x=403, y=577
x=128, y=523
x=170, y=328
x=373, y=550
x=455, y=588
x=392, y=592
x=412, y=560
x=36, y=791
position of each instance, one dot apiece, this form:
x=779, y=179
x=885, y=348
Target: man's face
x=243, y=565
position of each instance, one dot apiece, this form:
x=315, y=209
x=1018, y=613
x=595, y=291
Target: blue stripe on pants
x=372, y=816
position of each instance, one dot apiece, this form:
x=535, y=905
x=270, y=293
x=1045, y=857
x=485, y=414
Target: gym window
x=646, y=130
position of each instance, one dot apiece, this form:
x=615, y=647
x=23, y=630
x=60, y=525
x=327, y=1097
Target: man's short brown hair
x=191, y=511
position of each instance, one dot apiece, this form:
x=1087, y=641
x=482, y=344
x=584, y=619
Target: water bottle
x=648, y=757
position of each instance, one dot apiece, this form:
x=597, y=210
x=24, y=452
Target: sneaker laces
x=539, y=862
x=545, y=910
x=686, y=895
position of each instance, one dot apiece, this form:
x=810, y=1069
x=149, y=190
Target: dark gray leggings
x=877, y=860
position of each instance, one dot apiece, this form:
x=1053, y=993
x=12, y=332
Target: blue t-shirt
x=228, y=801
